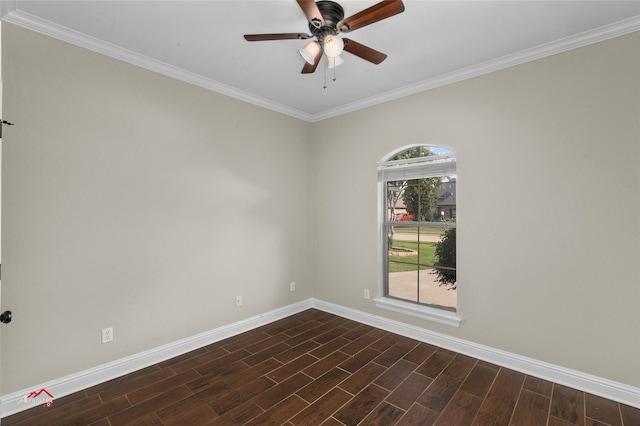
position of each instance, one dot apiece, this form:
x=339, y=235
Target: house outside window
x=418, y=214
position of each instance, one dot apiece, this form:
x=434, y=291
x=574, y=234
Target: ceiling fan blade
x=308, y=68
x=310, y=8
x=279, y=36
x=363, y=51
x=375, y=13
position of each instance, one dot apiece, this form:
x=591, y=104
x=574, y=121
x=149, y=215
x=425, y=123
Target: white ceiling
x=430, y=44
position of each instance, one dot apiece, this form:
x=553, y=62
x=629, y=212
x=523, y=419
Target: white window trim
x=426, y=312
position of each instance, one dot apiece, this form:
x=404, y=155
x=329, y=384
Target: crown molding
x=7, y=7
x=558, y=46
x=11, y=14
x=28, y=21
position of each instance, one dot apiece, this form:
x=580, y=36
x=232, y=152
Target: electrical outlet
x=238, y=300
x=292, y=286
x=366, y=293
x=107, y=335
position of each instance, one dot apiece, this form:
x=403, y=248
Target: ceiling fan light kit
x=334, y=62
x=310, y=52
x=332, y=46
x=325, y=21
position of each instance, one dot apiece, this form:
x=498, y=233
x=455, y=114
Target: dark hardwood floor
x=315, y=368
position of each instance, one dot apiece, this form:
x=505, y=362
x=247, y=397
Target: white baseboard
x=14, y=403
x=575, y=379
x=10, y=404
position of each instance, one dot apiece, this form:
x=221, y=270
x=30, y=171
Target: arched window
x=418, y=231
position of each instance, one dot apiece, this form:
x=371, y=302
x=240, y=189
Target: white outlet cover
x=107, y=335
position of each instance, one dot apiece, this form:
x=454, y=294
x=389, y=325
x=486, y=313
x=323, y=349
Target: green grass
x=410, y=263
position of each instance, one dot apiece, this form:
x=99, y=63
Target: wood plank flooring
x=315, y=368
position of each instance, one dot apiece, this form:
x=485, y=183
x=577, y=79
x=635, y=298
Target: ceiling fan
x=326, y=21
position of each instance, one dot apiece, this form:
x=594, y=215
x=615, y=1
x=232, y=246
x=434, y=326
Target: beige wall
x=136, y=201
x=562, y=131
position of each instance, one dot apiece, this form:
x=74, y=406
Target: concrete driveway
x=399, y=236
x=403, y=285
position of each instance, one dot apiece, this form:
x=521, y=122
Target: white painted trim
x=579, y=40
x=84, y=379
x=102, y=373
x=6, y=7
x=428, y=313
x=10, y=13
x=59, y=32
x=605, y=388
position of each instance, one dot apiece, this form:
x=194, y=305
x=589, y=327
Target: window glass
x=419, y=229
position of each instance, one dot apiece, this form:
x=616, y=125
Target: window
x=418, y=232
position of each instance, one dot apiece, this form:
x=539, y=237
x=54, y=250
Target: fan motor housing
x=332, y=13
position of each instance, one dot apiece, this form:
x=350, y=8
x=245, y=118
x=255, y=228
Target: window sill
x=440, y=316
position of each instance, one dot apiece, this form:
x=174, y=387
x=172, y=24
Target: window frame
x=437, y=165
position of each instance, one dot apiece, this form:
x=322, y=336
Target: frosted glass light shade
x=310, y=51
x=334, y=62
x=333, y=46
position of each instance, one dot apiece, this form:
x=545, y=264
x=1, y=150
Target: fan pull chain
x=325, y=72
x=325, y=77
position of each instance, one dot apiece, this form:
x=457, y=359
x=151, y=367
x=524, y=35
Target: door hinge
x=4, y=122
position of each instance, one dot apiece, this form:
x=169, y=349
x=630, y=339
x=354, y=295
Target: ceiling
x=430, y=44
